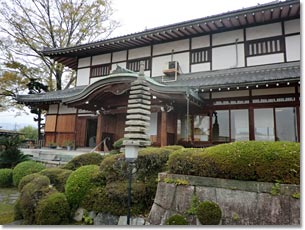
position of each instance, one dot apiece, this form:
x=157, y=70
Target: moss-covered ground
x=7, y=201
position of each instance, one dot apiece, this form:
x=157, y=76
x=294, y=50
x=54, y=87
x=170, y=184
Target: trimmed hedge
x=80, y=182
x=208, y=213
x=57, y=176
x=34, y=177
x=52, y=210
x=176, y=220
x=84, y=159
x=25, y=168
x=6, y=178
x=248, y=160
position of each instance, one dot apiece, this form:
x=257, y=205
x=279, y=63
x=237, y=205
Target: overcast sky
x=138, y=15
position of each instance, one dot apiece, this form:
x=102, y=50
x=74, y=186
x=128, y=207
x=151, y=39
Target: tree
x=29, y=132
x=32, y=25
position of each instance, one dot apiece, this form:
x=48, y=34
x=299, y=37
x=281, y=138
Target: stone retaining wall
x=241, y=202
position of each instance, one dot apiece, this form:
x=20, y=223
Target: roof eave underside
x=231, y=20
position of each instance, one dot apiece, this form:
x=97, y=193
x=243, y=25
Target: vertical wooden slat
x=99, y=131
x=163, y=133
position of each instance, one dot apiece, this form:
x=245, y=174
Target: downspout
x=236, y=53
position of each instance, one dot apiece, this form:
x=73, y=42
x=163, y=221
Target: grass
x=6, y=209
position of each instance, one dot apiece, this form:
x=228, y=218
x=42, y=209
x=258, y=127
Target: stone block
x=79, y=213
x=138, y=106
x=135, y=129
x=139, y=101
x=206, y=193
x=137, y=123
x=295, y=214
x=140, y=92
x=165, y=194
x=156, y=214
x=138, y=117
x=138, y=111
x=139, y=96
x=183, y=198
x=137, y=87
x=136, y=136
x=106, y=219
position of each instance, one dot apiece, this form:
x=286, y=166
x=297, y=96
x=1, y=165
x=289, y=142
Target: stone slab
x=139, y=92
x=183, y=198
x=137, y=123
x=138, y=117
x=165, y=195
x=139, y=101
x=136, y=129
x=136, y=136
x=140, y=96
x=138, y=111
x=139, y=106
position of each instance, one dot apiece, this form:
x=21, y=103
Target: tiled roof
x=241, y=77
x=273, y=73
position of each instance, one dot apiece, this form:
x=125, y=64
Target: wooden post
x=99, y=131
x=163, y=133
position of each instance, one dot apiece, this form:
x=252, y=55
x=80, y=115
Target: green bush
x=80, y=182
x=84, y=159
x=6, y=178
x=31, y=194
x=57, y=176
x=118, y=144
x=249, y=160
x=25, y=168
x=208, y=213
x=34, y=177
x=176, y=220
x=114, y=167
x=52, y=210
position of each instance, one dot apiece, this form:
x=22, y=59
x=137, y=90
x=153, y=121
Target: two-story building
x=223, y=78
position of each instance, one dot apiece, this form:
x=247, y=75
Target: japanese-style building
x=223, y=78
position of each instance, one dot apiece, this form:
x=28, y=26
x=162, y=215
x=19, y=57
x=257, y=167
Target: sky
x=138, y=15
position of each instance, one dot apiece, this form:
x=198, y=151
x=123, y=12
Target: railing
x=102, y=142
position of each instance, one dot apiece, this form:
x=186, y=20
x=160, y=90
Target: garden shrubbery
x=57, y=176
x=84, y=159
x=249, y=160
x=6, y=178
x=25, y=168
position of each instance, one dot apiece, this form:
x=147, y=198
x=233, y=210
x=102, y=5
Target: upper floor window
x=265, y=46
x=201, y=56
x=134, y=65
x=100, y=70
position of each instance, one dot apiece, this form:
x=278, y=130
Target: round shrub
x=31, y=194
x=248, y=160
x=114, y=167
x=25, y=168
x=176, y=220
x=208, y=213
x=80, y=182
x=6, y=177
x=34, y=177
x=84, y=159
x=52, y=210
x=57, y=176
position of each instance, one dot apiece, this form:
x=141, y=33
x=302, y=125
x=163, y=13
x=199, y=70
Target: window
x=286, y=124
x=201, y=127
x=265, y=46
x=220, y=126
x=101, y=70
x=239, y=125
x=263, y=125
x=201, y=56
x=134, y=65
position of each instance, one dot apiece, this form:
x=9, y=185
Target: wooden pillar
x=99, y=131
x=163, y=130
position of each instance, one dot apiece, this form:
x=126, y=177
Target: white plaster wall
x=225, y=57
x=83, y=76
x=159, y=63
x=84, y=62
x=177, y=46
x=227, y=37
x=63, y=109
x=121, y=64
x=101, y=59
x=200, y=42
x=284, y=90
x=293, y=48
x=292, y=26
x=200, y=67
x=139, y=52
x=237, y=93
x=82, y=111
x=153, y=124
x=265, y=59
x=264, y=31
x=53, y=109
x=119, y=56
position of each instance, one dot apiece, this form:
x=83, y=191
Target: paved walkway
x=9, y=198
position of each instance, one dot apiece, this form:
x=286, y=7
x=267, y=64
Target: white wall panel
x=153, y=124
x=292, y=26
x=239, y=93
x=63, y=109
x=177, y=46
x=83, y=76
x=293, y=48
x=119, y=56
x=159, y=63
x=53, y=109
x=265, y=59
x=200, y=42
x=227, y=37
x=264, y=31
x=139, y=52
x=225, y=57
x=121, y=64
x=84, y=62
x=101, y=59
x=285, y=90
x=200, y=67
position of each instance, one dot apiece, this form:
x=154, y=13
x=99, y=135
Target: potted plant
x=52, y=145
x=69, y=144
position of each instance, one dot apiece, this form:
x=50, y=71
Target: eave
x=252, y=16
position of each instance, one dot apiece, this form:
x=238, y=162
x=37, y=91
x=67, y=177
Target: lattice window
x=101, y=70
x=201, y=56
x=265, y=46
x=134, y=65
